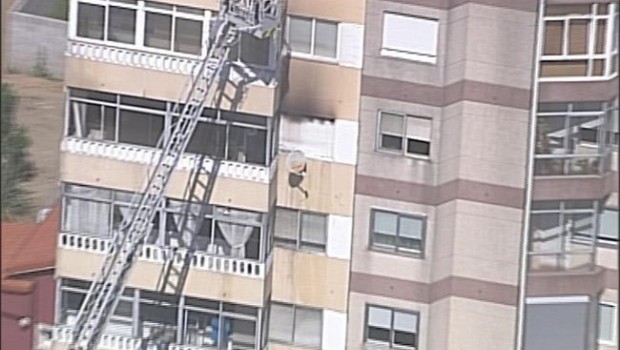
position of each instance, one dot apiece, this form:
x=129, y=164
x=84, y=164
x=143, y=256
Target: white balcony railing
x=151, y=253
x=130, y=57
x=62, y=334
x=146, y=155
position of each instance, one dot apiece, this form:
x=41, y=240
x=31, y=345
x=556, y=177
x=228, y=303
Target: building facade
x=459, y=187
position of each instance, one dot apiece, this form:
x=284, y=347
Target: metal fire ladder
x=257, y=17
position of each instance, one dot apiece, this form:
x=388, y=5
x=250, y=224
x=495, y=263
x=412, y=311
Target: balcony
x=160, y=75
x=58, y=338
x=230, y=279
x=108, y=160
x=146, y=156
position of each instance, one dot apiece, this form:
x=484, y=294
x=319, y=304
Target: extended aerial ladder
x=257, y=17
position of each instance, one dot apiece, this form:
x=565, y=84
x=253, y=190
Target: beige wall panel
x=329, y=186
x=129, y=176
x=204, y=4
x=351, y=11
x=161, y=85
x=322, y=89
x=607, y=257
x=144, y=275
x=310, y=279
x=471, y=322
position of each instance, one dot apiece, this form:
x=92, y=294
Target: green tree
x=17, y=168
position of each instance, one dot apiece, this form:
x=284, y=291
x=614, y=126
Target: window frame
x=393, y=311
x=605, y=239
x=293, y=308
x=609, y=56
x=397, y=250
x=311, y=55
x=140, y=26
x=404, y=136
x=209, y=116
x=606, y=115
x=411, y=56
x=614, y=326
x=298, y=231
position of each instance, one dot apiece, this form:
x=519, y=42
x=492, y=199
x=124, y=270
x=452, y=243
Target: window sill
x=419, y=256
x=320, y=59
x=395, y=154
x=409, y=56
x=300, y=250
x=568, y=79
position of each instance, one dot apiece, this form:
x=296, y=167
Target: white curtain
x=237, y=235
x=185, y=238
x=87, y=216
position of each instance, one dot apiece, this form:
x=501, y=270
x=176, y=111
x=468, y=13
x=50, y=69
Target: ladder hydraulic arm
x=125, y=244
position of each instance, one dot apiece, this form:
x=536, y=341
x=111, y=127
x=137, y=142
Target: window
x=404, y=134
x=313, y=37
x=226, y=135
x=559, y=322
x=575, y=138
x=397, y=232
x=294, y=324
x=608, y=225
x=204, y=323
x=93, y=211
x=301, y=230
x=562, y=234
x=165, y=27
x=410, y=37
x=174, y=28
x=576, y=39
x=607, y=323
x=391, y=327
x=251, y=50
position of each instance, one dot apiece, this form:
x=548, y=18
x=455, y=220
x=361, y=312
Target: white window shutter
x=345, y=141
x=410, y=34
x=419, y=128
x=351, y=44
x=339, y=231
x=334, y=330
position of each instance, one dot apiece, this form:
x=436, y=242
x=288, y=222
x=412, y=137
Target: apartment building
x=486, y=200
x=459, y=185
x=273, y=250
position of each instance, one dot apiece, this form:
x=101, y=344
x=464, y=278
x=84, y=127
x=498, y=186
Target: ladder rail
x=123, y=249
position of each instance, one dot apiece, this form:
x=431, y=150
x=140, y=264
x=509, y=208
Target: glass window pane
x=247, y=145
x=188, y=36
x=606, y=323
x=122, y=25
x=553, y=37
x=578, y=36
x=422, y=148
x=411, y=227
x=389, y=142
x=208, y=139
x=87, y=217
x=385, y=222
x=379, y=317
x=313, y=231
x=404, y=321
x=392, y=123
x=254, y=50
x=90, y=21
x=140, y=128
x=300, y=34
x=609, y=224
x=281, y=323
x=158, y=30
x=326, y=39
x=307, y=327
x=286, y=226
